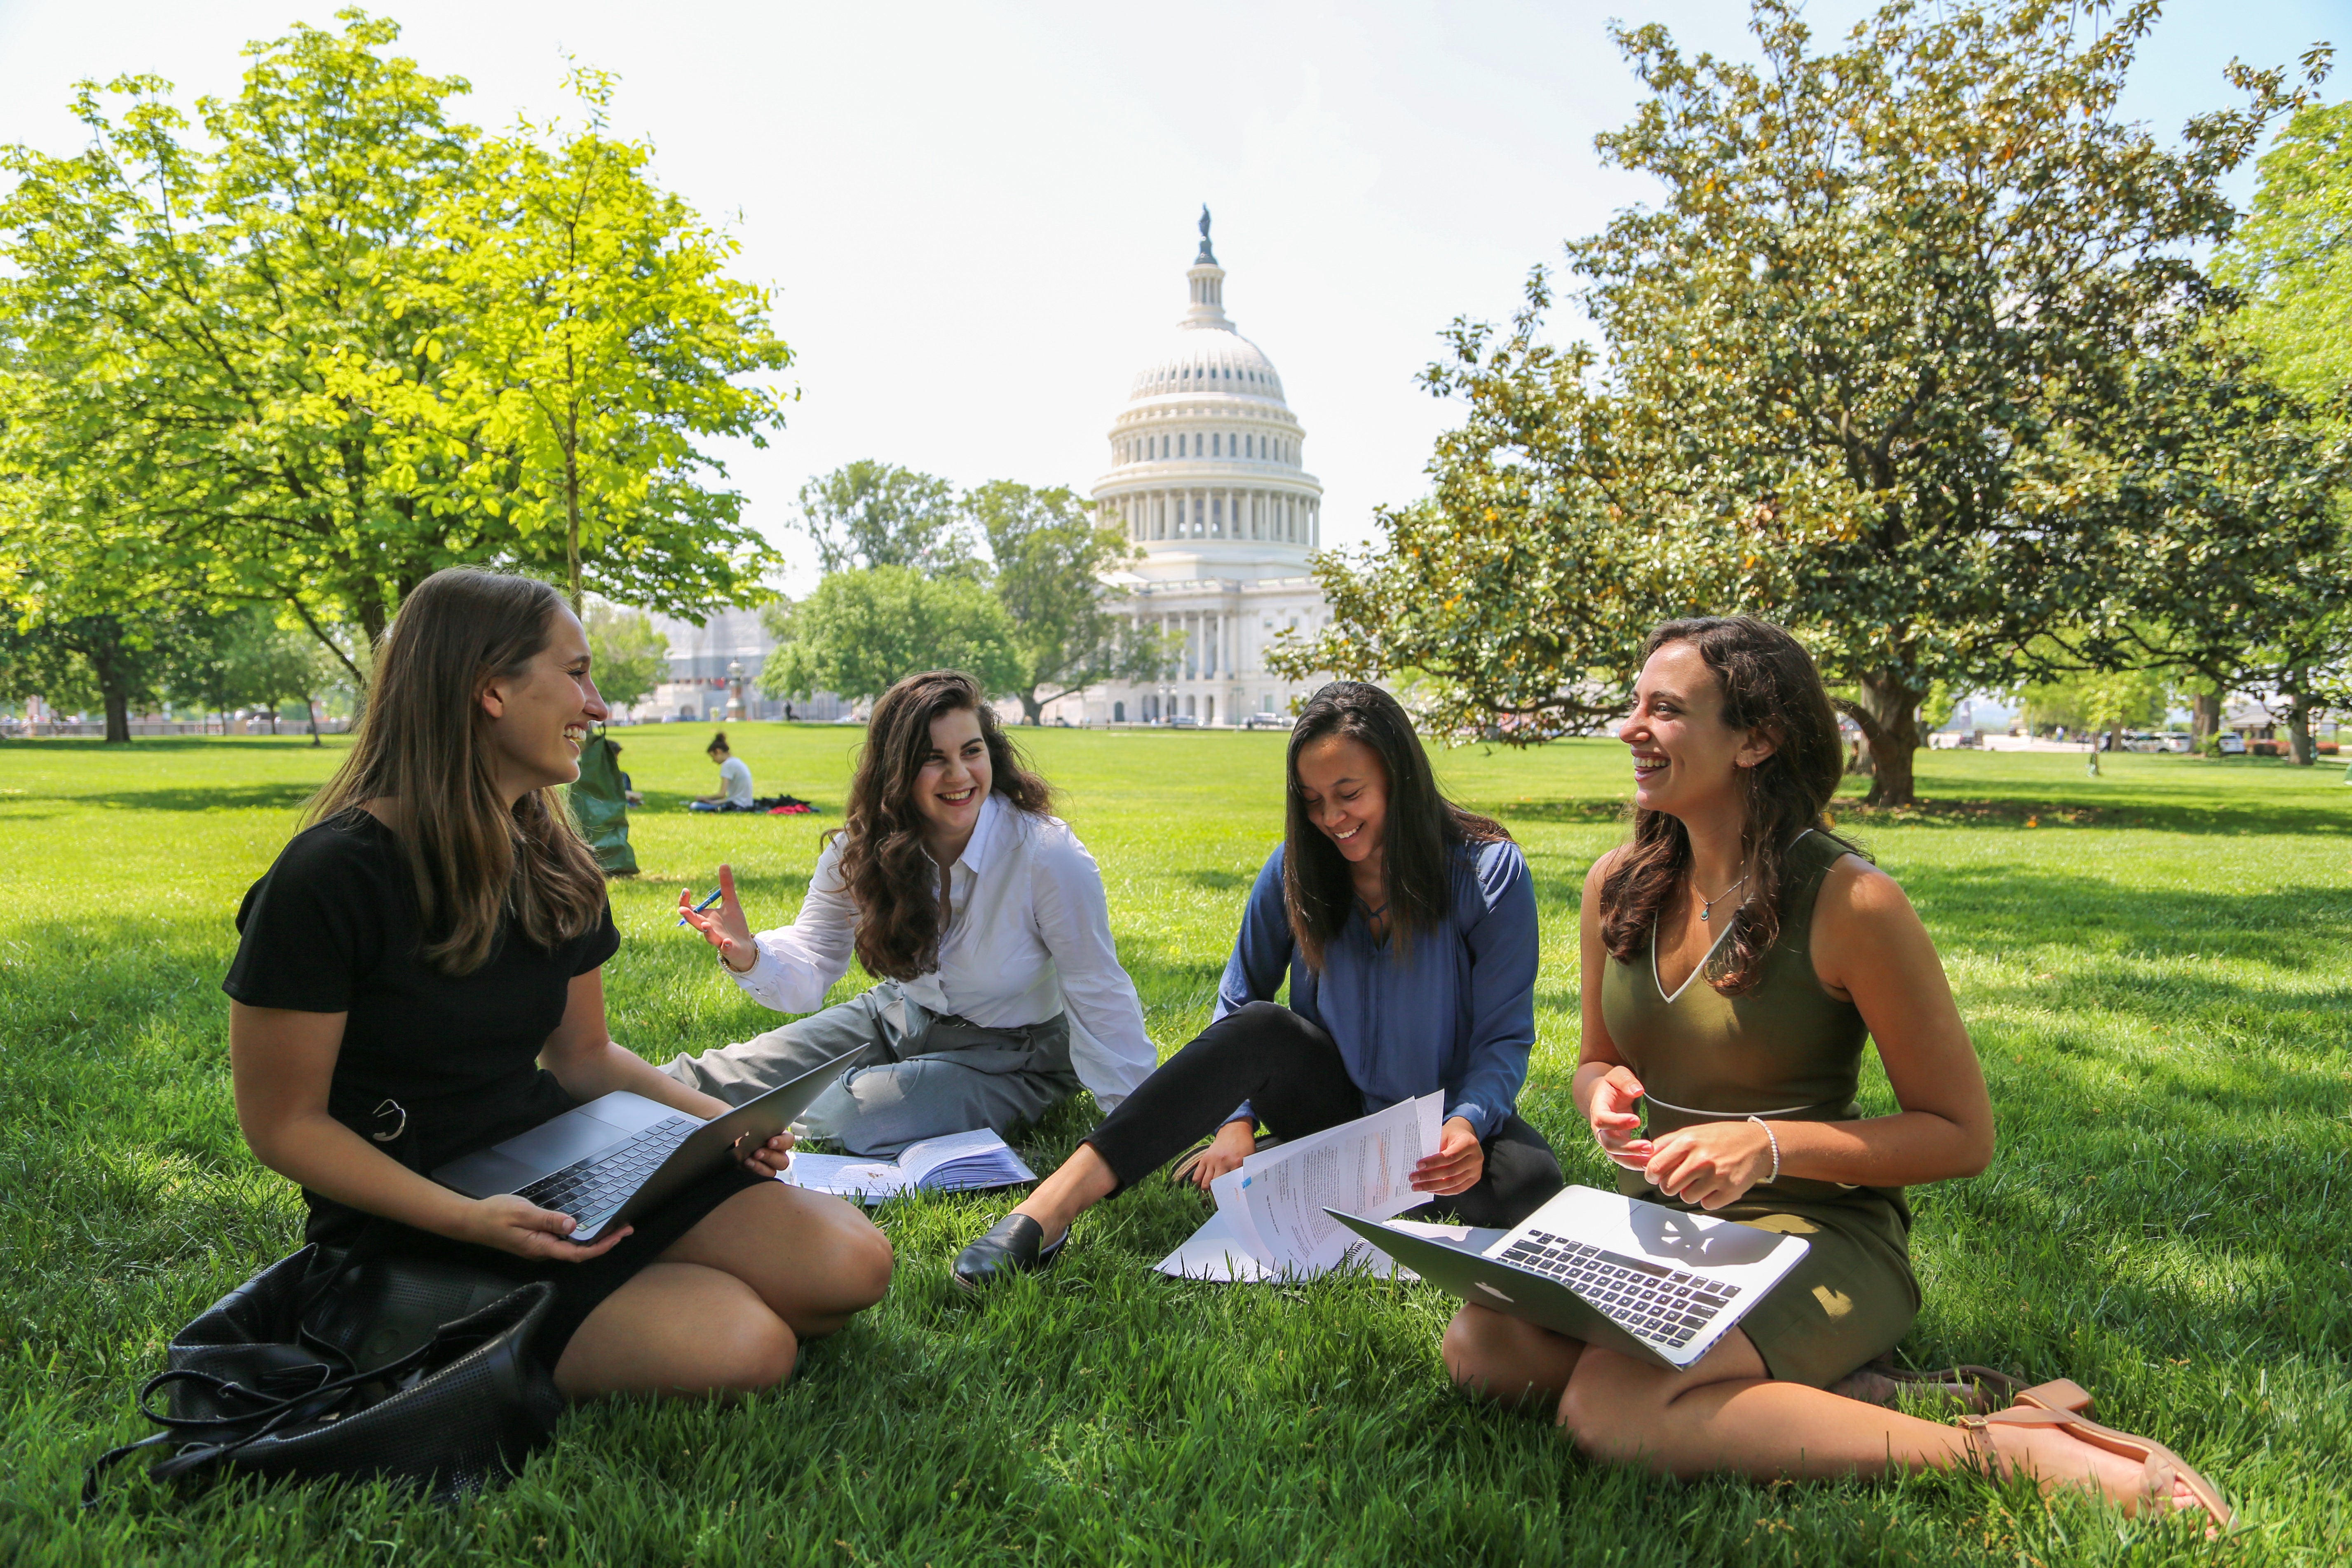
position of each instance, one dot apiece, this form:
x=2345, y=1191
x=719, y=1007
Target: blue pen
x=704, y=905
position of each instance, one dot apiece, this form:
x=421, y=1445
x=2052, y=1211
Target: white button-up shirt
x=1029, y=937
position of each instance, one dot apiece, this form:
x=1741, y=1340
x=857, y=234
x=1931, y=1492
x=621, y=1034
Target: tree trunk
x=2298, y=721
x=311, y=706
x=105, y=655
x=118, y=714
x=2204, y=716
x=1031, y=710
x=1889, y=716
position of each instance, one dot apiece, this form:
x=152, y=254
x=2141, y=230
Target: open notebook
x=959, y=1163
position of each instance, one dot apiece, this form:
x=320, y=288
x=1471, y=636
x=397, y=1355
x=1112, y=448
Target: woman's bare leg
x=815, y=1260
x=677, y=1329
x=724, y=1310
x=1508, y=1359
x=1726, y=1414
x=1083, y=1181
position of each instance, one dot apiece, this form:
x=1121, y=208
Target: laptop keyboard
x=1646, y=1299
x=590, y=1190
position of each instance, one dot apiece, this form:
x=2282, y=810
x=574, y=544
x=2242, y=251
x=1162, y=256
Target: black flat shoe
x=1010, y=1247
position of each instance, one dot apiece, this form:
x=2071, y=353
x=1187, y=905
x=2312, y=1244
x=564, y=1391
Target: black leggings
x=1292, y=1074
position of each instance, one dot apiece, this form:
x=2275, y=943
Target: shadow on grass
x=2255, y=815
x=220, y=797
x=1219, y=881
x=287, y=742
x=1567, y=813
x=1996, y=910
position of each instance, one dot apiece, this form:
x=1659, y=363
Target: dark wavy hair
x=1417, y=842
x=421, y=743
x=1768, y=686
x=902, y=908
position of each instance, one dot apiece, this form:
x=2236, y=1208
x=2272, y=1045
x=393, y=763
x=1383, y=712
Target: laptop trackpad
x=575, y=1136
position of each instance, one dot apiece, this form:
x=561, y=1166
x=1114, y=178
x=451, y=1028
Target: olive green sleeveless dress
x=1785, y=1051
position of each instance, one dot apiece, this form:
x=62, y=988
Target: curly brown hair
x=899, y=890
x=1771, y=686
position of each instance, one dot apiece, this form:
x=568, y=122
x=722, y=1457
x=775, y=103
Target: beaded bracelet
x=1775, y=1142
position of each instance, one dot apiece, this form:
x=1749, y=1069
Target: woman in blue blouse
x=1407, y=928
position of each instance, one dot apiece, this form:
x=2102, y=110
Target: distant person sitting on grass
x=1736, y=957
x=734, y=780
x=984, y=917
x=420, y=975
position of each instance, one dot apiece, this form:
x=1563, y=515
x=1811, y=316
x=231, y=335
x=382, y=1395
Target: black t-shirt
x=334, y=928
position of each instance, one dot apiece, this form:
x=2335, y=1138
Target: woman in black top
x=419, y=977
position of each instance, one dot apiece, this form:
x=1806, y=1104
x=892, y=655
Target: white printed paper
x=1271, y=1208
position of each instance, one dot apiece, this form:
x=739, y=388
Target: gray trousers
x=922, y=1076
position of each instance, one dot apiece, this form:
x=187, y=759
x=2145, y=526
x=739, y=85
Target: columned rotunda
x=1207, y=477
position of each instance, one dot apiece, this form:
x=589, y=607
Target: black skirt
x=580, y=1287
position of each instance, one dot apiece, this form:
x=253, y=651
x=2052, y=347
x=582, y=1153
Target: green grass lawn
x=2155, y=964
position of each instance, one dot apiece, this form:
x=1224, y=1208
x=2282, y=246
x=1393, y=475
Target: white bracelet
x=1775, y=1142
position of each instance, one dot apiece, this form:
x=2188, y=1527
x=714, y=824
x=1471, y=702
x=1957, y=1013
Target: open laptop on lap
x=621, y=1155
x=1659, y=1284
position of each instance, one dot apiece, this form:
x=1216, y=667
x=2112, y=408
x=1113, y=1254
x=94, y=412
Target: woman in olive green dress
x=1736, y=957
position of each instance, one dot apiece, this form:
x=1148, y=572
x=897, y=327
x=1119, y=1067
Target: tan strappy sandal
x=2066, y=1406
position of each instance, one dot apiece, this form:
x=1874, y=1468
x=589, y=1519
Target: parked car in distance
x=1182, y=721
x=1267, y=722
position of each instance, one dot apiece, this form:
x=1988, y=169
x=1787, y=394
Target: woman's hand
x=727, y=929
x=1236, y=1140
x=773, y=1158
x=1616, y=1125
x=1458, y=1163
x=1712, y=1163
x=517, y=1226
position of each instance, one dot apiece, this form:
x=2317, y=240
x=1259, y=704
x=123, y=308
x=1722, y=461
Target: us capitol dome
x=1207, y=479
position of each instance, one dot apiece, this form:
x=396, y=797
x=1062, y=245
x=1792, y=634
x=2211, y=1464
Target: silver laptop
x=1656, y=1283
x=621, y=1155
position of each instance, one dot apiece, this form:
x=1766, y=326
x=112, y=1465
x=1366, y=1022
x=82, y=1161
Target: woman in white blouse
x=1000, y=990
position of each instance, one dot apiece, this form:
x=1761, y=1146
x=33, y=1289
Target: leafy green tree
x=2098, y=702
x=178, y=307
x=2293, y=255
x=628, y=656
x=337, y=344
x=1901, y=359
x=1047, y=558
x=2292, y=258
x=869, y=513
x=242, y=657
x=862, y=630
x=596, y=346
x=1519, y=590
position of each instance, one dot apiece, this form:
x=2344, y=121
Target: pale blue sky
x=977, y=215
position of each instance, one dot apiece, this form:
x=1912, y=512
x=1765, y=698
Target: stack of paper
x=1270, y=1223
x=959, y=1162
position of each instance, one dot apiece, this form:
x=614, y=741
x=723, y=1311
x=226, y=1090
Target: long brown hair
x=1771, y=688
x=885, y=863
x=1417, y=841
x=421, y=743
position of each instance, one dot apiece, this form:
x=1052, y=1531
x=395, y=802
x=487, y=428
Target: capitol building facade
x=1207, y=479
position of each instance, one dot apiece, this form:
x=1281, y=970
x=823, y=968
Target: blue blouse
x=1459, y=1014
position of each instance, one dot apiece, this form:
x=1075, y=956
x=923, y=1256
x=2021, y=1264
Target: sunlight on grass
x=2155, y=965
